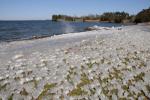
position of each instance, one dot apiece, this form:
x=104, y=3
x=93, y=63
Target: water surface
x=20, y=30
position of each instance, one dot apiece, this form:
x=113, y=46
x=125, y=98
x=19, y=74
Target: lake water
x=21, y=30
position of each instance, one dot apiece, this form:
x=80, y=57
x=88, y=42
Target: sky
x=44, y=9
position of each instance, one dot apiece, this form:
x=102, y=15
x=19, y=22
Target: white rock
x=71, y=66
x=27, y=79
x=44, y=68
x=22, y=80
x=83, y=41
x=42, y=65
x=18, y=64
x=43, y=60
x=19, y=72
x=1, y=78
x=38, y=78
x=129, y=67
x=84, y=59
x=90, y=71
x=6, y=81
x=7, y=75
x=18, y=56
x=93, y=61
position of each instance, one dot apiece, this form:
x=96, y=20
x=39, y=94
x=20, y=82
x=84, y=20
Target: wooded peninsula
x=116, y=17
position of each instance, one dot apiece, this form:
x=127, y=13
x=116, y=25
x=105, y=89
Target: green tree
x=143, y=16
x=54, y=18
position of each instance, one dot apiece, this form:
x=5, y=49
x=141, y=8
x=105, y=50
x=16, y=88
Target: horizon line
x=25, y=19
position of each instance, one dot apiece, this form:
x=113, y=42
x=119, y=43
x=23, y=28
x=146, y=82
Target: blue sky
x=43, y=9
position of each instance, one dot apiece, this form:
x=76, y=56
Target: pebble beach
x=103, y=64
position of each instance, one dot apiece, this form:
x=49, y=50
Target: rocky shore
x=112, y=64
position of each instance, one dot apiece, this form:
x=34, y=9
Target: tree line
x=143, y=16
x=116, y=17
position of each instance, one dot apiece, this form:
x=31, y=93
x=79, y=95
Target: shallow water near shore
x=21, y=30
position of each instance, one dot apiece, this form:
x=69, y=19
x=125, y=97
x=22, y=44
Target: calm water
x=20, y=30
